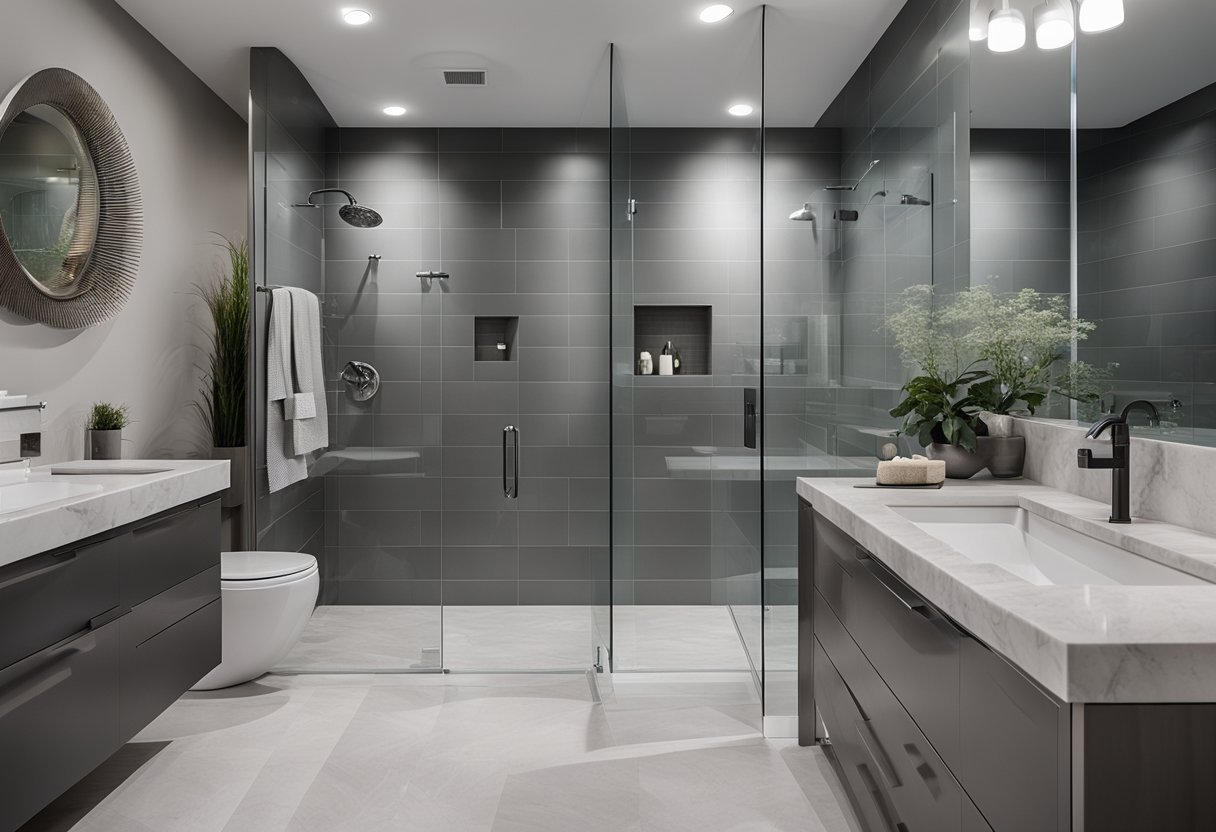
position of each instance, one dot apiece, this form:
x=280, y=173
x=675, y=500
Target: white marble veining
x=1170, y=481
x=121, y=499
x=1082, y=643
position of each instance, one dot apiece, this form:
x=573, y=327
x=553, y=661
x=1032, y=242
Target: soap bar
x=915, y=471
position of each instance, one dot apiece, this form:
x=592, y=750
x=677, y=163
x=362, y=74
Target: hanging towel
x=283, y=466
x=308, y=416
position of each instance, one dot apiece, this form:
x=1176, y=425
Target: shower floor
x=404, y=638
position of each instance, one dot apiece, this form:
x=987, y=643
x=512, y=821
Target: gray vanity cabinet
x=931, y=730
x=95, y=642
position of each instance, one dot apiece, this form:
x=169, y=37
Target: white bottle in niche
x=665, y=365
x=645, y=364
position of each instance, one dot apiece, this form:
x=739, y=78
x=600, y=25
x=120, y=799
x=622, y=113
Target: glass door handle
x=510, y=488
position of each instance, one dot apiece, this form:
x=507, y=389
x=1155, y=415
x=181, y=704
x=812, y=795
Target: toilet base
x=263, y=620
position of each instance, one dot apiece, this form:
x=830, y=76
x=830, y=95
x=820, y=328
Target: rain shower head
x=360, y=216
x=803, y=214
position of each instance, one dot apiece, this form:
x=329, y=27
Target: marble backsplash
x=1170, y=481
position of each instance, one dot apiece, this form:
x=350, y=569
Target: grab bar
x=510, y=491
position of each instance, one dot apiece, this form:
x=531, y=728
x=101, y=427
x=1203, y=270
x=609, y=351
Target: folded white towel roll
x=915, y=471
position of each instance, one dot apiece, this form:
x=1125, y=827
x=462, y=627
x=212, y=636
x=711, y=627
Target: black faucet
x=1119, y=462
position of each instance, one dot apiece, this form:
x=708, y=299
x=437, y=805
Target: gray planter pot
x=105, y=444
x=1006, y=455
x=234, y=495
x=960, y=464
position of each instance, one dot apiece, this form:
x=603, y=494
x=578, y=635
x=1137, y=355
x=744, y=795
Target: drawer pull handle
x=924, y=770
x=876, y=795
x=908, y=599
x=59, y=561
x=52, y=673
x=868, y=741
x=162, y=522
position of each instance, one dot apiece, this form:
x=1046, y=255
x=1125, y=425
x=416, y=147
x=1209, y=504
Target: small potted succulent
x=105, y=425
x=225, y=380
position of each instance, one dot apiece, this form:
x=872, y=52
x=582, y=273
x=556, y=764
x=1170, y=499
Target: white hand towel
x=283, y=467
x=310, y=425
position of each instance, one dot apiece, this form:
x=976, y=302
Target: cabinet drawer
x=162, y=552
x=46, y=598
x=172, y=605
x=159, y=670
x=1014, y=745
x=912, y=645
x=58, y=720
x=923, y=792
x=840, y=714
x=833, y=551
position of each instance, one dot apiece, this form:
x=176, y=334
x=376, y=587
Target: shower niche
x=689, y=328
x=494, y=338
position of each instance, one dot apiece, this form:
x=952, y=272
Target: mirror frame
x=108, y=276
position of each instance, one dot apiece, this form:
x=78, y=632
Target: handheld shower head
x=803, y=214
x=360, y=216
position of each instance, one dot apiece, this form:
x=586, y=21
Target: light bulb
x=715, y=13
x=1100, y=15
x=1006, y=29
x=1052, y=25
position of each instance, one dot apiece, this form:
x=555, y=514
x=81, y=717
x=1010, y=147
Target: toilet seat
x=261, y=566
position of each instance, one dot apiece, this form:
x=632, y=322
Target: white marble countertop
x=1082, y=643
x=121, y=499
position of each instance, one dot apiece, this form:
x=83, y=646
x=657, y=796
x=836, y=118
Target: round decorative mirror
x=70, y=219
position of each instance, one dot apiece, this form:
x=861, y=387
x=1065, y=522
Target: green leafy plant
x=106, y=416
x=977, y=351
x=226, y=374
x=940, y=410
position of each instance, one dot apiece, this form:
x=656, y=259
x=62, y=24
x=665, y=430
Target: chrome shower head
x=803, y=214
x=360, y=216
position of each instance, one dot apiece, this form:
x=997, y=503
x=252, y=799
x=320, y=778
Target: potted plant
x=225, y=378
x=937, y=408
x=1023, y=340
x=105, y=425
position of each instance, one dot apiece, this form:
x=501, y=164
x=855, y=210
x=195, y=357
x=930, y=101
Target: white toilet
x=268, y=598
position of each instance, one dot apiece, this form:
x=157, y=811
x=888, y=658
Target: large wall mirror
x=70, y=220
x=1130, y=238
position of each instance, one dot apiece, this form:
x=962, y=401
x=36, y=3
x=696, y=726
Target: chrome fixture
x=360, y=216
x=909, y=199
x=853, y=187
x=1119, y=462
x=432, y=275
x=374, y=258
x=803, y=214
x=362, y=380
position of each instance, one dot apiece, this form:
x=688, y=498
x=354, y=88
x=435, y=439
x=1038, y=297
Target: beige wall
x=190, y=150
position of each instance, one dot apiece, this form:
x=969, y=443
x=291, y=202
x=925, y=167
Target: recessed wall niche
x=687, y=327
x=494, y=339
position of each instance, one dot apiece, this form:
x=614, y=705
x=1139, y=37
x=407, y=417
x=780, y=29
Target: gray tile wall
x=907, y=105
x=1020, y=222
x=684, y=535
x=518, y=218
x=289, y=127
x=1147, y=238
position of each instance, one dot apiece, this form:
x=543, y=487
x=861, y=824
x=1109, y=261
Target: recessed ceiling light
x=1100, y=15
x=740, y=109
x=356, y=17
x=395, y=110
x=715, y=13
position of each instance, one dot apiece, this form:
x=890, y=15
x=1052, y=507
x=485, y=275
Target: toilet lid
x=253, y=566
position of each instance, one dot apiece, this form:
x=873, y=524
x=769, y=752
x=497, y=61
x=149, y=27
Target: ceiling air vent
x=464, y=77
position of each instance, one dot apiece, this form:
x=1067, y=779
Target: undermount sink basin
x=1038, y=550
x=22, y=495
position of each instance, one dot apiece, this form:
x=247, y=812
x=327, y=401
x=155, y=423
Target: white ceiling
x=1162, y=52
x=547, y=59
